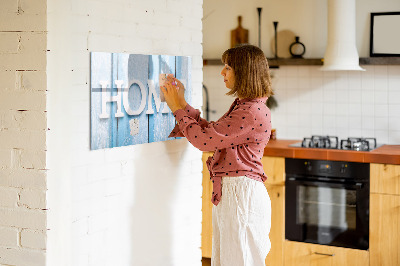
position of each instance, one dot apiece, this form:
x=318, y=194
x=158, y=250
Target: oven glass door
x=326, y=207
x=326, y=213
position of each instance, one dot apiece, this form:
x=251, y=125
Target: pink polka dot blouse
x=238, y=139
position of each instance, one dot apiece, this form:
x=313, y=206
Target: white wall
x=23, y=133
x=135, y=205
x=311, y=102
x=306, y=19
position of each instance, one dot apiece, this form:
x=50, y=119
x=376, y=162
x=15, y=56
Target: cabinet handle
x=324, y=254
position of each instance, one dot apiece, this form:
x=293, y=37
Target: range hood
x=341, y=51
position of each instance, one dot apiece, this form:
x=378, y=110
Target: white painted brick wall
x=23, y=218
x=34, y=239
x=23, y=178
x=33, y=198
x=124, y=205
x=22, y=256
x=9, y=237
x=8, y=197
x=23, y=128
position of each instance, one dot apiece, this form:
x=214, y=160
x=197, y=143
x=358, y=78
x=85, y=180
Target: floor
x=206, y=261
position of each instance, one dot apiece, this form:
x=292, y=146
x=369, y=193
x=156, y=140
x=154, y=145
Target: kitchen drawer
x=305, y=254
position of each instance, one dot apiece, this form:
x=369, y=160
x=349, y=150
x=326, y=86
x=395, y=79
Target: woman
x=242, y=208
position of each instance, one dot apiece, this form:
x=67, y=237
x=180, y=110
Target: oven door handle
x=357, y=185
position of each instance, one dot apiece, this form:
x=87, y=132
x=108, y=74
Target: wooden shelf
x=294, y=62
x=380, y=61
x=274, y=63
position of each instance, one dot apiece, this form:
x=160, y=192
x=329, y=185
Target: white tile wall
x=312, y=102
x=342, y=103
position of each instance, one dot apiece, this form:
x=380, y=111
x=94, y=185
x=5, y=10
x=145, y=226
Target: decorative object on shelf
x=273, y=134
x=276, y=38
x=383, y=41
x=297, y=49
x=259, y=9
x=239, y=35
x=271, y=103
x=285, y=39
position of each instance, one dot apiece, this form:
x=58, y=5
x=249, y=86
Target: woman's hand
x=181, y=92
x=174, y=92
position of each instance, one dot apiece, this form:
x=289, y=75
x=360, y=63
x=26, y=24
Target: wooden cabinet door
x=304, y=254
x=277, y=233
x=385, y=178
x=384, y=237
x=206, y=226
x=274, y=168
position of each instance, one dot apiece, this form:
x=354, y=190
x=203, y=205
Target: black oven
x=327, y=202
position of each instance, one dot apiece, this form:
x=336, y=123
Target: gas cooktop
x=332, y=142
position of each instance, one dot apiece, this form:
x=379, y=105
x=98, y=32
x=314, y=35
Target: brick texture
x=9, y=237
x=33, y=239
x=23, y=126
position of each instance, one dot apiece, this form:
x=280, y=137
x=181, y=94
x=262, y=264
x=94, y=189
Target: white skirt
x=241, y=223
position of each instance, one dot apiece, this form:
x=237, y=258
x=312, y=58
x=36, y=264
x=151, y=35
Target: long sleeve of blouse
x=193, y=113
x=238, y=139
x=230, y=131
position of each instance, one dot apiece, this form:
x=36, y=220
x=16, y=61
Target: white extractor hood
x=341, y=51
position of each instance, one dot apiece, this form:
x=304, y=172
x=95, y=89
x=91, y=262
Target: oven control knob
x=343, y=168
x=308, y=166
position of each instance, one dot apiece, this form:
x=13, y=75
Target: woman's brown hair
x=250, y=66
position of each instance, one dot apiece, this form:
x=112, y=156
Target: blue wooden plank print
x=125, y=98
x=100, y=89
x=161, y=120
x=183, y=73
x=133, y=74
x=116, y=103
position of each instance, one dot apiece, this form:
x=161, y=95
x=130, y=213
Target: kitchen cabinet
x=277, y=233
x=385, y=178
x=385, y=230
x=274, y=168
x=384, y=221
x=305, y=254
x=385, y=215
x=206, y=225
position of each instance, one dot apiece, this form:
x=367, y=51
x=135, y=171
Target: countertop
x=389, y=154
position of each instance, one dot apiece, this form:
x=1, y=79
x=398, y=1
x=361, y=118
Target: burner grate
x=332, y=142
x=327, y=142
x=358, y=144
